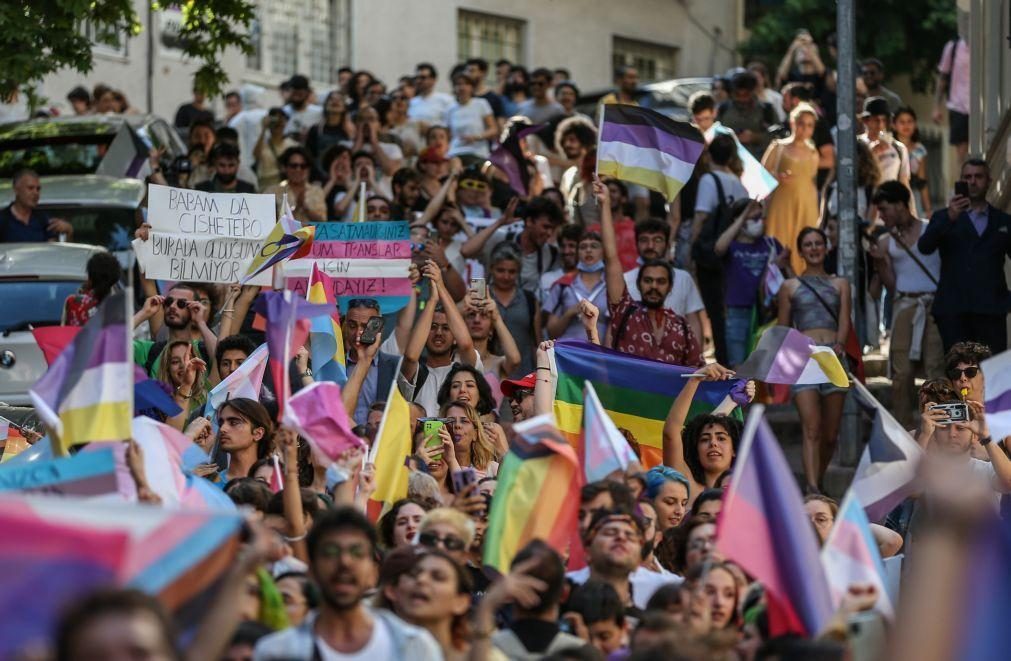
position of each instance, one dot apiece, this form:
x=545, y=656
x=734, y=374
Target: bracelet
x=224, y=310
x=179, y=392
x=986, y=440
x=295, y=539
x=544, y=368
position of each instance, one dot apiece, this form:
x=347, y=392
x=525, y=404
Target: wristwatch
x=986, y=440
x=307, y=372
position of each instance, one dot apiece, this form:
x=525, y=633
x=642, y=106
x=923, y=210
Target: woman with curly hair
x=707, y=446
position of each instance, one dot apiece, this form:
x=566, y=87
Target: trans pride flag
x=57, y=549
x=851, y=555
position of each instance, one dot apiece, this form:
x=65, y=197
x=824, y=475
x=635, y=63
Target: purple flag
x=509, y=158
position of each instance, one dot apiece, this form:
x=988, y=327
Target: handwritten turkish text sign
x=205, y=237
x=366, y=260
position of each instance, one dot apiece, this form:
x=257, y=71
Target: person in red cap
x=521, y=396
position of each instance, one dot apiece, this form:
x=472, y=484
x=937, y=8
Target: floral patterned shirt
x=632, y=331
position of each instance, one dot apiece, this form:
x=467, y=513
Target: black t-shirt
x=495, y=101
x=186, y=113
x=536, y=635
x=212, y=186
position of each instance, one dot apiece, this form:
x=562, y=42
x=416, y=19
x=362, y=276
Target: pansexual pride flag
x=87, y=394
x=329, y=360
x=763, y=527
x=636, y=392
x=643, y=147
x=537, y=495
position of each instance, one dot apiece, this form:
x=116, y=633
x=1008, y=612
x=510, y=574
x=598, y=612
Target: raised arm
x=419, y=336
x=464, y=342
x=612, y=263
x=673, y=447
x=544, y=388
x=364, y=353
x=291, y=495
x=506, y=340
x=407, y=314
x=475, y=244
x=434, y=205
x=723, y=243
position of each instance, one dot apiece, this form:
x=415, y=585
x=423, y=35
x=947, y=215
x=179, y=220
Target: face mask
x=595, y=267
x=754, y=228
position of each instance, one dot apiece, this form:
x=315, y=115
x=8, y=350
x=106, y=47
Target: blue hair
x=657, y=476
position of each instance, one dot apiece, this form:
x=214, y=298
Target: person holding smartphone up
x=972, y=238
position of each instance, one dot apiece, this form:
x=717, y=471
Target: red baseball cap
x=510, y=386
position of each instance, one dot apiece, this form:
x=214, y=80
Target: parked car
x=91, y=170
x=35, y=280
x=669, y=97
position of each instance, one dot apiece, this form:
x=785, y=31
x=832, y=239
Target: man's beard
x=653, y=305
x=226, y=178
x=177, y=324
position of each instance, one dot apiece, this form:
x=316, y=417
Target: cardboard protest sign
x=365, y=260
x=204, y=237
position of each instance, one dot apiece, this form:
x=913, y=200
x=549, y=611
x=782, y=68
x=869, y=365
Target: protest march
x=412, y=375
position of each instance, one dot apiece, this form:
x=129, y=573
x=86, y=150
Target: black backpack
x=704, y=248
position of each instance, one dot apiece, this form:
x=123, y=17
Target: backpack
x=704, y=247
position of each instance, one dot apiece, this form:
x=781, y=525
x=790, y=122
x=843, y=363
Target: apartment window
x=106, y=39
x=296, y=36
x=653, y=61
x=489, y=37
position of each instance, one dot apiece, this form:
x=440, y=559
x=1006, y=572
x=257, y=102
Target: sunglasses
x=301, y=165
x=970, y=373
x=472, y=184
x=449, y=542
x=180, y=303
x=521, y=393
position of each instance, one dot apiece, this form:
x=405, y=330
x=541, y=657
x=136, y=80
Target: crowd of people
x=498, y=275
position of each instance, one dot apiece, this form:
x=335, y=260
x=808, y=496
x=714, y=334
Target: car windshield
x=108, y=227
x=38, y=302
x=52, y=148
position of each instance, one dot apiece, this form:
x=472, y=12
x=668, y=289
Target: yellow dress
x=794, y=204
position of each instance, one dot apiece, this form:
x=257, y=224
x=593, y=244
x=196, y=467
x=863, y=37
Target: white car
x=35, y=280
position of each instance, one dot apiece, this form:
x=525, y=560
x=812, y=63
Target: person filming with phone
x=973, y=239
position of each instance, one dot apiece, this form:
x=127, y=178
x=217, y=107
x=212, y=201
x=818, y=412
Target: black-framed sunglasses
x=298, y=165
x=180, y=303
x=970, y=372
x=449, y=542
x=520, y=394
x=370, y=303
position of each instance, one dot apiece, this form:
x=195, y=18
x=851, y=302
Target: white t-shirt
x=707, y=199
x=380, y=646
x=465, y=121
x=644, y=583
x=683, y=299
x=299, y=121
x=430, y=109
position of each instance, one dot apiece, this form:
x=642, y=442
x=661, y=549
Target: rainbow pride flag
x=57, y=549
x=537, y=495
x=636, y=393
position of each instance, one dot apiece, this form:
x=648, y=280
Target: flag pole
x=361, y=203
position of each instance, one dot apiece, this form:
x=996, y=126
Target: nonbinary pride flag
x=763, y=527
x=537, y=495
x=87, y=393
x=643, y=147
x=787, y=356
x=851, y=555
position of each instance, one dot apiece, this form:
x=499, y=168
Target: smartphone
x=480, y=286
x=463, y=478
x=430, y=432
x=957, y=412
x=866, y=636
x=373, y=330
x=962, y=188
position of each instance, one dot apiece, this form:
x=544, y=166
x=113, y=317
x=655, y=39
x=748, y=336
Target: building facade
x=662, y=38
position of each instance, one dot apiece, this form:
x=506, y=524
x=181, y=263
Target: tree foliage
x=906, y=36
x=41, y=37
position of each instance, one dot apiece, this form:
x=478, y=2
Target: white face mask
x=754, y=228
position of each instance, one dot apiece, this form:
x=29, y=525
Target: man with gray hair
x=22, y=222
